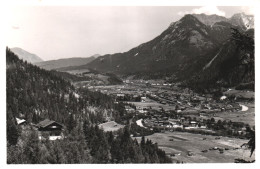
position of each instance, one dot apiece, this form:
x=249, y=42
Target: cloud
x=250, y=10
x=181, y=13
x=209, y=10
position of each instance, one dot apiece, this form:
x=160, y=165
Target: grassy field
x=181, y=144
x=111, y=126
x=247, y=117
x=153, y=104
x=241, y=94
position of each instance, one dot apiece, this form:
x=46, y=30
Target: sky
x=54, y=32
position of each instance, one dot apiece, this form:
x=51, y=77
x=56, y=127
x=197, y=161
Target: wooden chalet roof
x=46, y=123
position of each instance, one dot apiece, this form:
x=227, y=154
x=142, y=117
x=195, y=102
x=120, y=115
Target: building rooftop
x=19, y=121
x=46, y=123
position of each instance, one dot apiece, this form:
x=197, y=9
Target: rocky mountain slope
x=243, y=20
x=29, y=57
x=240, y=19
x=210, y=19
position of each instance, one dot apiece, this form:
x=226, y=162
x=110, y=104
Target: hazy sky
x=54, y=32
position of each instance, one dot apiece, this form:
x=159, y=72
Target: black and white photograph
x=129, y=84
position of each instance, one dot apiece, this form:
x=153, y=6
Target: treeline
x=30, y=150
x=121, y=148
x=87, y=144
x=35, y=94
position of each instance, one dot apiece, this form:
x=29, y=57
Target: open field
x=153, y=104
x=241, y=94
x=111, y=126
x=247, y=117
x=181, y=144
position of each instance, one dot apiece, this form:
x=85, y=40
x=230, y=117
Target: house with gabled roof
x=51, y=129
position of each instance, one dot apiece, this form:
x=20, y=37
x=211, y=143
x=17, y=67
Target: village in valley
x=188, y=126
x=178, y=114
x=103, y=93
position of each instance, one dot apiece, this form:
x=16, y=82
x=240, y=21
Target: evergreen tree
x=12, y=129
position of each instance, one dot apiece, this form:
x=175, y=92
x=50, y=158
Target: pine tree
x=12, y=130
x=71, y=123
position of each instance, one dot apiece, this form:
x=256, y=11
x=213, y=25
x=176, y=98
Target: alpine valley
x=186, y=96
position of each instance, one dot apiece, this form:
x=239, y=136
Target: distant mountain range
x=178, y=53
x=52, y=64
x=195, y=44
x=29, y=57
x=60, y=63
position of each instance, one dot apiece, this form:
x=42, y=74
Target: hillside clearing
x=110, y=126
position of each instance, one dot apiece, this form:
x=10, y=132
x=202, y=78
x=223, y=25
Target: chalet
x=52, y=129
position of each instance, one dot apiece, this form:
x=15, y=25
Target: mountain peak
x=243, y=20
x=210, y=19
x=186, y=21
x=242, y=14
x=188, y=17
x=23, y=54
x=96, y=55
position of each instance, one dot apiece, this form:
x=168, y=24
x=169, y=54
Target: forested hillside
x=35, y=94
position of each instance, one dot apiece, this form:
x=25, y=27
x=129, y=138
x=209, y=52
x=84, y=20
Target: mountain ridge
x=239, y=19
x=173, y=50
x=180, y=41
x=65, y=62
x=25, y=55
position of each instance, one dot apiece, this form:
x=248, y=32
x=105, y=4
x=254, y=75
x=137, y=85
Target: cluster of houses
x=46, y=129
x=187, y=101
x=169, y=123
